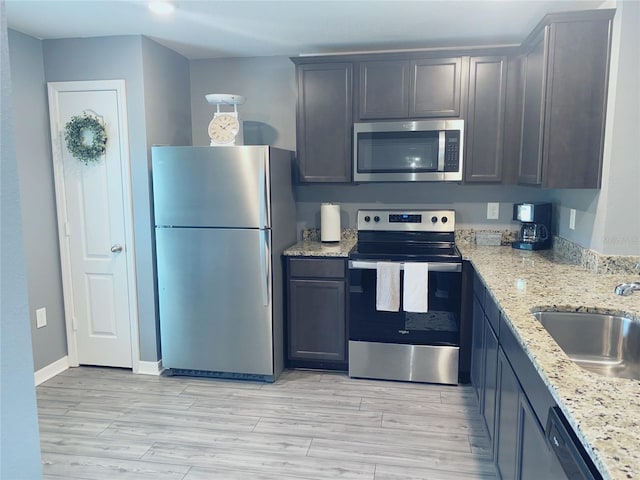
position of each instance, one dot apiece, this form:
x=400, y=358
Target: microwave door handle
x=441, y=145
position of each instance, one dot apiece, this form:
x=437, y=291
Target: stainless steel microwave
x=408, y=151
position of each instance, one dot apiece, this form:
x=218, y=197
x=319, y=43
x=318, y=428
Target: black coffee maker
x=535, y=233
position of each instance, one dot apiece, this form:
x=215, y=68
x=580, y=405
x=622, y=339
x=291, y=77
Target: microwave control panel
x=452, y=151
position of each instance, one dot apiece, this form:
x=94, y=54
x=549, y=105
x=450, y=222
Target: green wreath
x=74, y=135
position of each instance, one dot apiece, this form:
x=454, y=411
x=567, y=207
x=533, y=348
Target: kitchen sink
x=601, y=343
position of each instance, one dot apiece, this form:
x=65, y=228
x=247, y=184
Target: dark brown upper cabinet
x=384, y=89
x=435, y=87
x=485, y=123
x=533, y=114
x=418, y=88
x=324, y=121
x=565, y=70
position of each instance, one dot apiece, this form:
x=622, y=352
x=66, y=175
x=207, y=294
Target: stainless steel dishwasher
x=571, y=460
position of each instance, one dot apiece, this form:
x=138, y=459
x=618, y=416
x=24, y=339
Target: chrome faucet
x=627, y=288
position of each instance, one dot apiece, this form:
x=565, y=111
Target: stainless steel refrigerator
x=223, y=216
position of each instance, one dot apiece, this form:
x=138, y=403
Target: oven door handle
x=433, y=266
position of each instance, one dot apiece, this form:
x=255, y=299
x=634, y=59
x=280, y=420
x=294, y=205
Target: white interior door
x=93, y=203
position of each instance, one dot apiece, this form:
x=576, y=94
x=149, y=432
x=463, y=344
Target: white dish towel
x=388, y=286
x=415, y=297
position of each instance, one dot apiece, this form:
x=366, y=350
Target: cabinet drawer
x=317, y=267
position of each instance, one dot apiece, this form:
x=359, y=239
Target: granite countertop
x=604, y=412
x=315, y=248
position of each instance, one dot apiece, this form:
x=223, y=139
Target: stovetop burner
x=416, y=235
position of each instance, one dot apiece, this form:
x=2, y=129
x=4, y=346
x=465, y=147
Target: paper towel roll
x=329, y=222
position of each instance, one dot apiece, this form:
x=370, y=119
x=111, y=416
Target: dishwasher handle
x=567, y=449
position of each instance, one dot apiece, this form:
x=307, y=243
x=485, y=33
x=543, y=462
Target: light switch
x=572, y=219
x=41, y=317
x=493, y=211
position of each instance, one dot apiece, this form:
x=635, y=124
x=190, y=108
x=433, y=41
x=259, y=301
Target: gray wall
x=268, y=83
x=621, y=206
x=38, y=204
x=116, y=58
x=167, y=99
x=469, y=201
x=158, y=110
x=19, y=435
x=608, y=220
x=168, y=121
x=155, y=79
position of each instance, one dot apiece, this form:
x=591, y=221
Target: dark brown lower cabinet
x=535, y=455
x=508, y=388
x=477, y=350
x=521, y=452
x=484, y=356
x=508, y=404
x=490, y=379
x=316, y=320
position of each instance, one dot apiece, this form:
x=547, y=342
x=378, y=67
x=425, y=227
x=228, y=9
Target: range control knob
x=434, y=219
x=367, y=218
x=444, y=219
x=376, y=218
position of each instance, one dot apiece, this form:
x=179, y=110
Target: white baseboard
x=51, y=370
x=149, y=368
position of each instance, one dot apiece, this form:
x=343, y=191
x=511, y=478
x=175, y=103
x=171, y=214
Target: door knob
x=117, y=248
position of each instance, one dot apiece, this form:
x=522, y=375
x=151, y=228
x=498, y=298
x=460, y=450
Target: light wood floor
x=98, y=423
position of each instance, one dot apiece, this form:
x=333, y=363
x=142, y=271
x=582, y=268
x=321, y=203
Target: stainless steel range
x=404, y=297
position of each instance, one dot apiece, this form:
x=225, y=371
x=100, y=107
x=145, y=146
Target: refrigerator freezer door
x=211, y=186
x=212, y=288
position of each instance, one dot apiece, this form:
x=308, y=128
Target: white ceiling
x=201, y=29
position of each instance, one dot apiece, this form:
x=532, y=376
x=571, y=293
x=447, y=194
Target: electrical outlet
x=41, y=317
x=572, y=219
x=493, y=211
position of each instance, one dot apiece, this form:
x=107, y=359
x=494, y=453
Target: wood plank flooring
x=100, y=423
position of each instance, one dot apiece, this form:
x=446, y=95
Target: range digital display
x=404, y=218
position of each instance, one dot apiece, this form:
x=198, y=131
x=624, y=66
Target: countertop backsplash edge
x=563, y=249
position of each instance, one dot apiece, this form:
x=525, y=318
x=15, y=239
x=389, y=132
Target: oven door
x=440, y=326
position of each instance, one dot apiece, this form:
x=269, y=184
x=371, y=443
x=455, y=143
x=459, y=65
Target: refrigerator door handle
x=265, y=269
x=264, y=196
